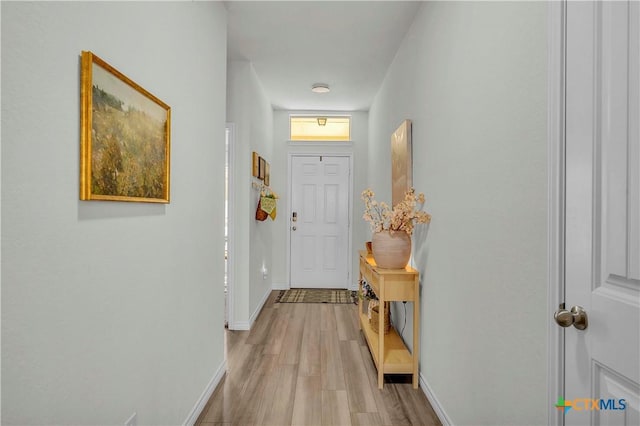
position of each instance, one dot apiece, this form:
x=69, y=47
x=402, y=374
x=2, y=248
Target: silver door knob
x=577, y=317
x=294, y=228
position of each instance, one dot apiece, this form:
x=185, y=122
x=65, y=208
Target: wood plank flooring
x=308, y=364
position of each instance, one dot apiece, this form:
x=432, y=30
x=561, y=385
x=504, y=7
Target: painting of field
x=128, y=153
x=128, y=142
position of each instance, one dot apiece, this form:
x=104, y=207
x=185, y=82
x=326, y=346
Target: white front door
x=319, y=221
x=602, y=269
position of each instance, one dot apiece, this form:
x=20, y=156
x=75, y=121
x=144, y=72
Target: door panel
x=613, y=387
x=330, y=249
x=319, y=242
x=602, y=218
x=309, y=252
x=331, y=207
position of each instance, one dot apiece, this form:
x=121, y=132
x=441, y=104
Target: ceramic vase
x=391, y=250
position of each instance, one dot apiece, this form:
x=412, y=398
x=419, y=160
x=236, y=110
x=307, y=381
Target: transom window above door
x=320, y=128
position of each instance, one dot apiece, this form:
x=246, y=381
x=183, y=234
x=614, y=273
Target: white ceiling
x=293, y=44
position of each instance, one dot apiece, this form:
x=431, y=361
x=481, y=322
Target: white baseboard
x=435, y=404
x=206, y=394
x=246, y=325
x=280, y=286
x=240, y=326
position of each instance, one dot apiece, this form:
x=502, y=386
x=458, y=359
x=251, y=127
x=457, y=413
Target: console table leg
x=416, y=331
x=381, y=319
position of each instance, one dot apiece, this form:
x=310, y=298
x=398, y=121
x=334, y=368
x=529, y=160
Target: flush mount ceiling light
x=320, y=88
x=322, y=121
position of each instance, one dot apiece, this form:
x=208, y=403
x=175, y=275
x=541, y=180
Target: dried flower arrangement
x=402, y=217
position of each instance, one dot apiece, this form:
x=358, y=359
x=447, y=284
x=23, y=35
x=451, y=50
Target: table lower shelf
x=397, y=358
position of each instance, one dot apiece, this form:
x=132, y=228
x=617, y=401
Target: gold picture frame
x=401, y=162
x=255, y=164
x=262, y=169
x=267, y=174
x=124, y=137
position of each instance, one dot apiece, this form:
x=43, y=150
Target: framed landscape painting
x=125, y=137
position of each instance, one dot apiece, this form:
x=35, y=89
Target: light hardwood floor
x=308, y=364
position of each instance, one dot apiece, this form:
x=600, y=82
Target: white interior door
x=602, y=270
x=319, y=221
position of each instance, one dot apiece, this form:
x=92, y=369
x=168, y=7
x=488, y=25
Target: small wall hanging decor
x=261, y=215
x=125, y=137
x=262, y=169
x=255, y=164
x=267, y=203
x=267, y=174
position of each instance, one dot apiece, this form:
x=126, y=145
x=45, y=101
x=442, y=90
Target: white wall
x=110, y=308
x=251, y=112
x=279, y=168
x=472, y=78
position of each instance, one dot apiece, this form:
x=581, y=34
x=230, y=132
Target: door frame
x=556, y=141
x=230, y=228
x=290, y=157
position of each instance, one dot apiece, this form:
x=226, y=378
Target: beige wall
x=110, y=308
x=252, y=115
x=472, y=78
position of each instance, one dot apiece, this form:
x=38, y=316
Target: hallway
x=308, y=364
x=113, y=312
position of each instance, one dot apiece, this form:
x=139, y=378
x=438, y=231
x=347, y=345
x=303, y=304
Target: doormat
x=316, y=295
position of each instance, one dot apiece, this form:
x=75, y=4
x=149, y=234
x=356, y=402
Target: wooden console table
x=389, y=352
